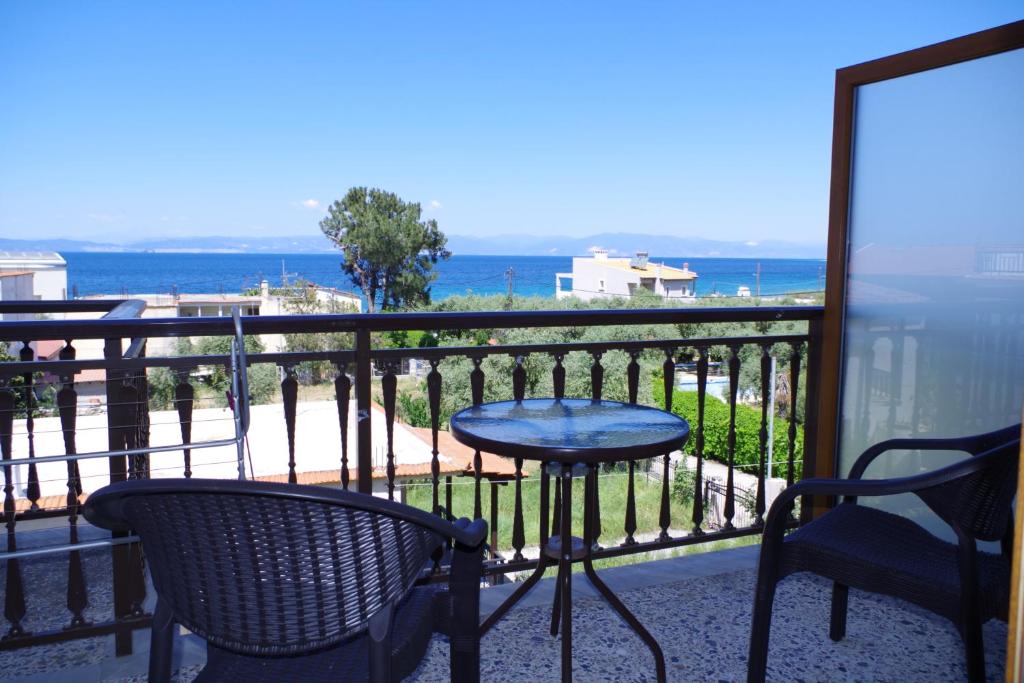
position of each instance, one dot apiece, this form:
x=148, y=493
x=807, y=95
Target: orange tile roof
x=47, y=502
x=494, y=466
x=48, y=348
x=331, y=476
x=91, y=375
x=651, y=269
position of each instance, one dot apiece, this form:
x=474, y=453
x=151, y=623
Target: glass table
x=571, y=437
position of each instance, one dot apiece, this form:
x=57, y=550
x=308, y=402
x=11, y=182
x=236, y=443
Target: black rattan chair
x=289, y=582
x=859, y=546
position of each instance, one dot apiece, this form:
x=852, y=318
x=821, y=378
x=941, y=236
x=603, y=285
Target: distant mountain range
x=626, y=244
x=501, y=245
x=301, y=244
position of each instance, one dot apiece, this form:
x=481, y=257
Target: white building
x=49, y=270
x=266, y=302
x=600, y=276
x=16, y=285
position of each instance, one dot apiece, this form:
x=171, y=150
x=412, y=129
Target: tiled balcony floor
x=697, y=606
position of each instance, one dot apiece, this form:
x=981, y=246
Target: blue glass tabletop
x=570, y=430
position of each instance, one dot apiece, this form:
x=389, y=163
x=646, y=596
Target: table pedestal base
x=579, y=550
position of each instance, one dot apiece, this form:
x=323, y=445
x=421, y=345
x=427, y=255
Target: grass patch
x=612, y=495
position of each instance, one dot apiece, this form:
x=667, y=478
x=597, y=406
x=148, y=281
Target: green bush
x=162, y=383
x=748, y=426
x=683, y=482
x=413, y=410
x=264, y=383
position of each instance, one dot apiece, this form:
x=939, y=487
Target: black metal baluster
x=342, y=395
x=136, y=435
x=389, y=389
x=734, y=382
x=142, y=422
x=476, y=382
x=519, y=379
x=794, y=386
x=698, y=484
x=597, y=390
x=14, y=594
x=558, y=376
x=434, y=402
x=762, y=434
x=596, y=376
x=558, y=383
x=668, y=371
x=494, y=517
x=67, y=406
x=518, y=530
x=448, y=494
x=128, y=397
x=27, y=355
x=290, y=399
x=121, y=555
x=184, y=402
x=633, y=385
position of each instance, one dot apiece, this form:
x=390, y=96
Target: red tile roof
x=494, y=466
x=48, y=348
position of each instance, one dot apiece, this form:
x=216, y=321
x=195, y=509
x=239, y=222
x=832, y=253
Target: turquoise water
x=145, y=273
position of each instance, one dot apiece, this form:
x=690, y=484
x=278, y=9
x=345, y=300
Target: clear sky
x=126, y=120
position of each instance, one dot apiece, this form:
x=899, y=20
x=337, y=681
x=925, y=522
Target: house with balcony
x=601, y=276
x=263, y=301
x=885, y=493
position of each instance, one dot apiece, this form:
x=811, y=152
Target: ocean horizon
x=128, y=273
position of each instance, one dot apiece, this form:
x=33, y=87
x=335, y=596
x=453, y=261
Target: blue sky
x=133, y=120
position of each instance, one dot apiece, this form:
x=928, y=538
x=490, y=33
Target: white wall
x=588, y=274
x=16, y=288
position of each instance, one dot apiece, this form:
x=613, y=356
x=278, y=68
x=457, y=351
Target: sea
x=126, y=273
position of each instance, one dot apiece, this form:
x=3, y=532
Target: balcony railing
x=361, y=373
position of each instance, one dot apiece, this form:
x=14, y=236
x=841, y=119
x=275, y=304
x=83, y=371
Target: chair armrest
x=775, y=523
x=966, y=444
x=475, y=531
x=869, y=456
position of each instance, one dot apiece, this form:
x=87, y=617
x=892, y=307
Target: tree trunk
x=371, y=297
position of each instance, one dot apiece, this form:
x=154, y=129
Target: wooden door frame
x=966, y=48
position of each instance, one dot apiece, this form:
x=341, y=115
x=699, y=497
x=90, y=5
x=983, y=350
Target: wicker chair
x=859, y=546
x=289, y=582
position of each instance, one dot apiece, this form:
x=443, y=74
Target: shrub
x=748, y=426
x=413, y=410
x=683, y=483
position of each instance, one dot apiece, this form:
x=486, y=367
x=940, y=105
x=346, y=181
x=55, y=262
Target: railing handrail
x=107, y=328
x=284, y=358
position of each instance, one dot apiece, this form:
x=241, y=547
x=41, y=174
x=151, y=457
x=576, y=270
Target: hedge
x=748, y=426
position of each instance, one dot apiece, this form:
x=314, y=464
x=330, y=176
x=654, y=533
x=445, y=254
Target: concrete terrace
x=697, y=605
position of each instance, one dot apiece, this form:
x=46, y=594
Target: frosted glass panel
x=934, y=331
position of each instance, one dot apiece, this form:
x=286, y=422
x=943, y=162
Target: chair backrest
x=271, y=574
x=980, y=502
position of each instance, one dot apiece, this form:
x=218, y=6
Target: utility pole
x=757, y=280
x=285, y=275
x=509, y=275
